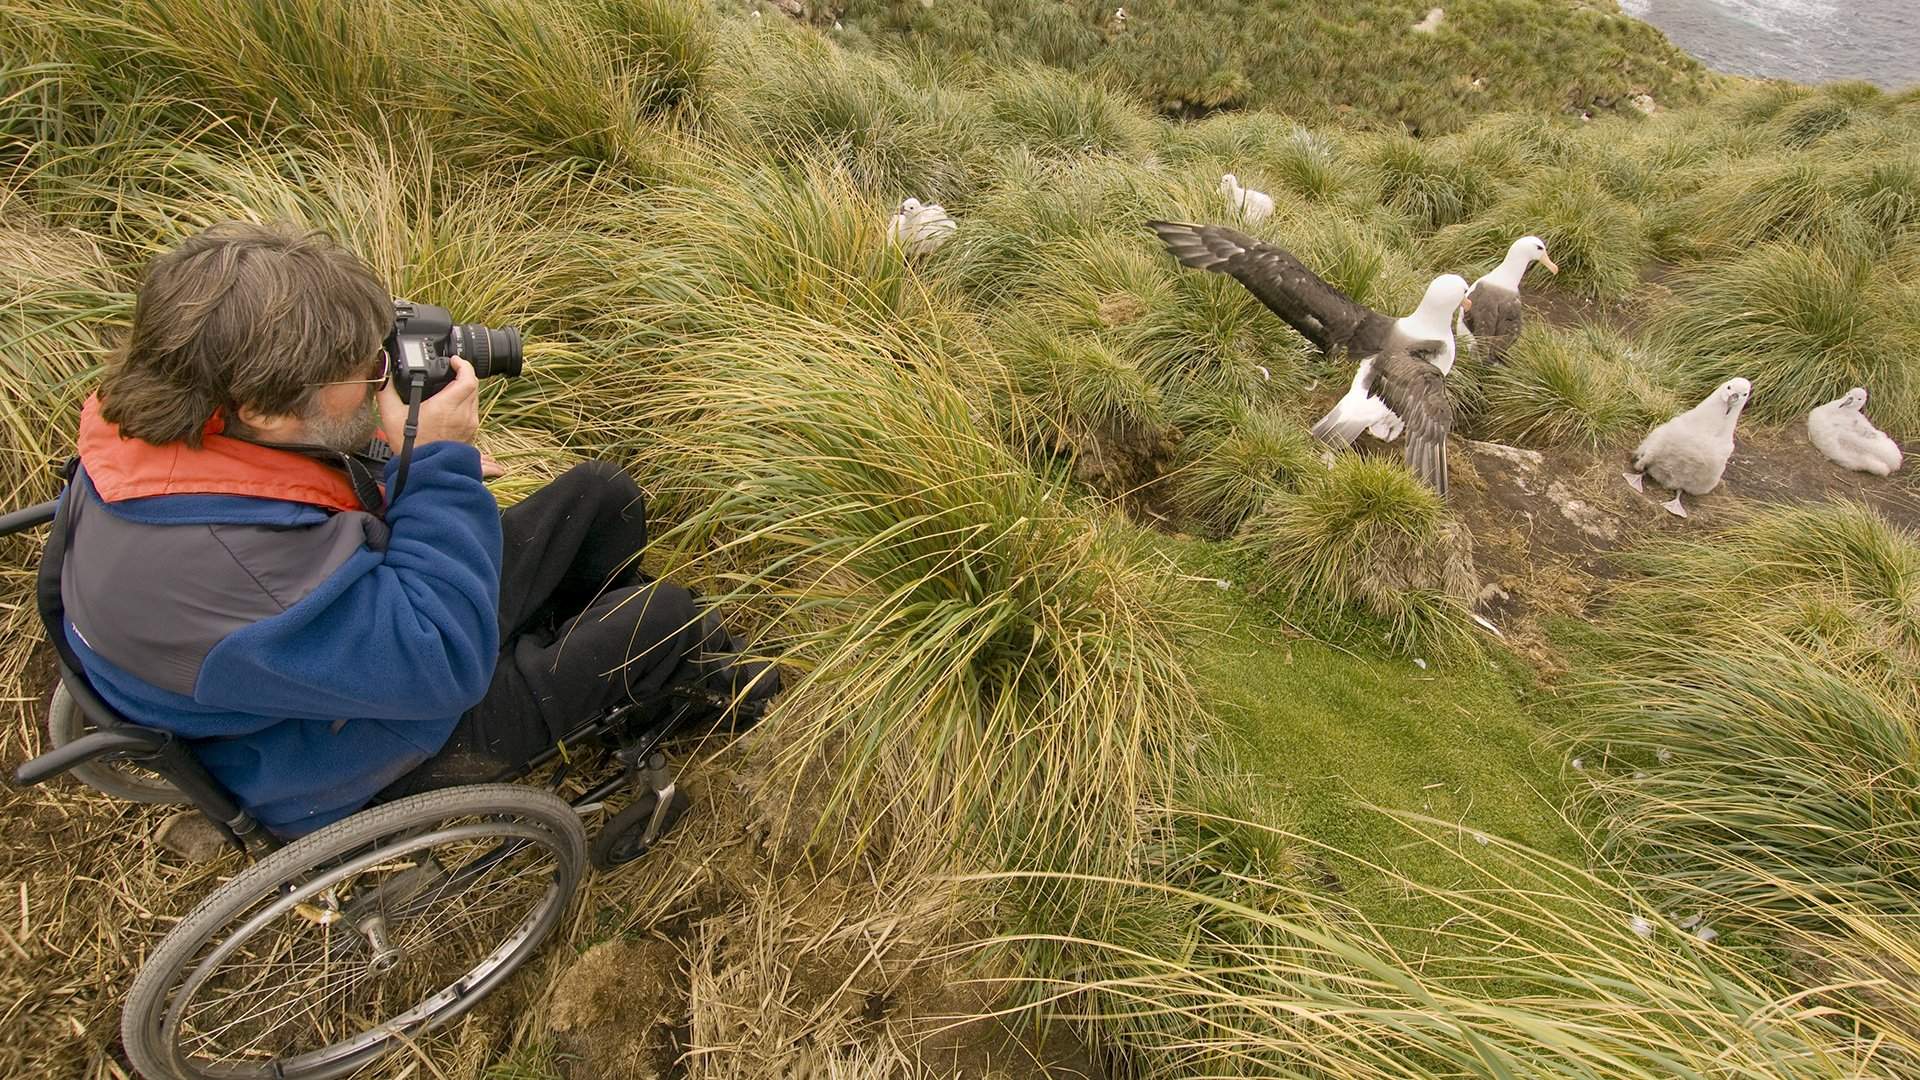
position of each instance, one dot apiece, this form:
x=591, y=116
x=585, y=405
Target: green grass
x=901, y=475
x=1804, y=324
x=1339, y=732
x=1467, y=942
x=1587, y=387
x=1360, y=64
x=1599, y=241
x=1366, y=543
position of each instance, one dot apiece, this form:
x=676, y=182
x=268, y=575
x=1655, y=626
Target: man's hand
x=452, y=414
x=489, y=468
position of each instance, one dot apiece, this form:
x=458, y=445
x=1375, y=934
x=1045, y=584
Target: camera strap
x=412, y=428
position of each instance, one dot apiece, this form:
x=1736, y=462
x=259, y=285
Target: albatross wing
x=1321, y=313
x=1413, y=388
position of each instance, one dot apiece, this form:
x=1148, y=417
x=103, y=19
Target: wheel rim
x=299, y=988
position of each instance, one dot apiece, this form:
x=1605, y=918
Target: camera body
x=425, y=336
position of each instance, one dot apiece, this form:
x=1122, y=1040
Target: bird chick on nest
x=1253, y=206
x=1689, y=452
x=920, y=228
x=1844, y=434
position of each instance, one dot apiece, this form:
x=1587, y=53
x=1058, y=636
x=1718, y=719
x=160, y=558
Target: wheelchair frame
x=630, y=734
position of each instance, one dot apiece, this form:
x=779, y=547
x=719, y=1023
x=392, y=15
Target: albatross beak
x=1466, y=305
x=1551, y=266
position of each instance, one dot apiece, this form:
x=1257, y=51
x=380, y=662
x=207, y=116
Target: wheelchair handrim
x=448, y=1003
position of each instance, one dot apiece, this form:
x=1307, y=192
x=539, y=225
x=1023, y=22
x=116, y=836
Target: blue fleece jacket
x=309, y=657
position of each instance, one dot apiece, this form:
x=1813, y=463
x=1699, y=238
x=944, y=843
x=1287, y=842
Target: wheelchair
x=327, y=952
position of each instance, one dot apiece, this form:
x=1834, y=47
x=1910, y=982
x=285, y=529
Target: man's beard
x=348, y=434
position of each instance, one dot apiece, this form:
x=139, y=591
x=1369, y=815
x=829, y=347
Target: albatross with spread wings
x=1401, y=383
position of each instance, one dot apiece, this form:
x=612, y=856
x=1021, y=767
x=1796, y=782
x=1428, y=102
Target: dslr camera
x=424, y=337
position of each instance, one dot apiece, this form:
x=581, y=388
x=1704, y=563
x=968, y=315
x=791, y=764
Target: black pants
x=581, y=628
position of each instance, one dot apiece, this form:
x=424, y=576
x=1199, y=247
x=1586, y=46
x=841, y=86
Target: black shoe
x=720, y=668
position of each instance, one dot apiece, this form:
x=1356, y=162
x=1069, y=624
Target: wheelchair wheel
x=122, y=780
x=625, y=837
x=358, y=938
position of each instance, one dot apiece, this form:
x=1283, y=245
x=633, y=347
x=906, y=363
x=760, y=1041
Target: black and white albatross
x=1494, y=322
x=1400, y=386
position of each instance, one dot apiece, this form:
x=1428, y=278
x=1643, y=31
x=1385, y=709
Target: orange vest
x=126, y=468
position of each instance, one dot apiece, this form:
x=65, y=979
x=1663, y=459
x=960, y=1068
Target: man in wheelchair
x=225, y=578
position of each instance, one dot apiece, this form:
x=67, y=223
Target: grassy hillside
x=1358, y=63
x=978, y=503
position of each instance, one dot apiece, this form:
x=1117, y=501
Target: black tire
x=65, y=723
x=620, y=842
x=328, y=962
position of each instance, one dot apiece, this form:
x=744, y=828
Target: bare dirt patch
x=1547, y=522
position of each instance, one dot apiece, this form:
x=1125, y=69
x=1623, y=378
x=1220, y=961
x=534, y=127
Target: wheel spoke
x=296, y=989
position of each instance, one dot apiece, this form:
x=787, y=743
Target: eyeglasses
x=378, y=382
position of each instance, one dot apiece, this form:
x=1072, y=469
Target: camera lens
x=491, y=352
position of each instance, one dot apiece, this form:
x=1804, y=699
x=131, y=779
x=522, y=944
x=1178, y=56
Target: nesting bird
x=1431, y=23
x=920, y=228
x=1253, y=206
x=1842, y=432
x=1689, y=452
x=1494, y=319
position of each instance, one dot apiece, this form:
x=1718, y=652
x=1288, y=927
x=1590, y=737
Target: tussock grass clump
x=1080, y=397
x=1366, y=539
x=1363, y=255
x=504, y=249
x=1752, y=104
x=596, y=82
x=895, y=137
x=807, y=241
x=1509, y=145
x=1206, y=332
x=1831, y=108
x=1654, y=165
x=64, y=303
x=1762, y=686
x=1274, y=151
x=1587, y=386
x=1022, y=234
x=1189, y=60
x=962, y=634
x=325, y=64
x=585, y=82
x=1432, y=187
x=1599, y=241
x=1805, y=325
x=1861, y=205
x=1052, y=112
x=1885, y=193
x=1227, y=473
x=1839, y=581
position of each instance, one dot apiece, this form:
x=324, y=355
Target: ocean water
x=1810, y=41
